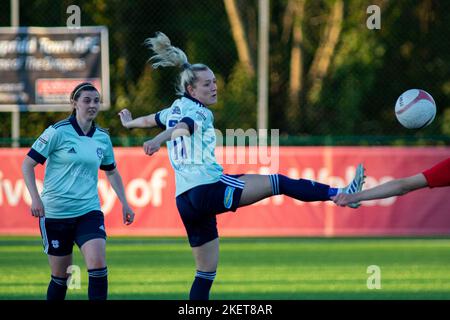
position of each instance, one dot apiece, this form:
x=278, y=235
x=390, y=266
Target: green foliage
x=446, y=122
x=344, y=97
x=368, y=70
x=237, y=107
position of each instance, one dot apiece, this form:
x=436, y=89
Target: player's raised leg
x=258, y=187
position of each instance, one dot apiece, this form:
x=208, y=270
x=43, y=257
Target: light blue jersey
x=71, y=173
x=193, y=157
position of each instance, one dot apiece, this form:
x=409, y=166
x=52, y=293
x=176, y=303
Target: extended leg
x=258, y=187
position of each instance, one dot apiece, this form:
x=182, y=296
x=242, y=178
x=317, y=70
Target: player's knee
x=60, y=273
x=206, y=262
x=207, y=266
x=96, y=262
x=59, y=269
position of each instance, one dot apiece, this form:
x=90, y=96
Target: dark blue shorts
x=198, y=207
x=59, y=235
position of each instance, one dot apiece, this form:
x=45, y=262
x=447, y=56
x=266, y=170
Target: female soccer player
x=69, y=206
x=436, y=176
x=202, y=190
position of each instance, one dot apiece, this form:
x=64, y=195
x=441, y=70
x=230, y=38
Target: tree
x=239, y=36
x=292, y=23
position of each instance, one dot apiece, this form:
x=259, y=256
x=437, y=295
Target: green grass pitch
x=249, y=268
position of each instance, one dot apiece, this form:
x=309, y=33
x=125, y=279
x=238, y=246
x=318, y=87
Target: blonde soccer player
x=203, y=190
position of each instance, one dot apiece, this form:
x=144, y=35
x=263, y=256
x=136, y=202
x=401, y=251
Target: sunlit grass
x=249, y=268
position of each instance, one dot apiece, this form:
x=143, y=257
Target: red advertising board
x=150, y=189
x=49, y=90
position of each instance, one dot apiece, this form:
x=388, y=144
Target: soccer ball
x=415, y=109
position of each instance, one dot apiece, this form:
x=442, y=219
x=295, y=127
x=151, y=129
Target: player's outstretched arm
x=392, y=188
x=141, y=122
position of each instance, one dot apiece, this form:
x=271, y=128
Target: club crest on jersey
x=100, y=153
x=228, y=197
x=176, y=110
x=55, y=244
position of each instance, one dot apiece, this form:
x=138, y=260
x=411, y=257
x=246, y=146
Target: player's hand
x=125, y=117
x=150, y=147
x=37, y=208
x=342, y=199
x=128, y=215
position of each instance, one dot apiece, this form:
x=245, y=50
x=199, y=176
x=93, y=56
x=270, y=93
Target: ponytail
x=166, y=55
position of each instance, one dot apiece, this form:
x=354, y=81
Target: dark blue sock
x=201, y=286
x=57, y=288
x=98, y=284
x=300, y=189
x=332, y=192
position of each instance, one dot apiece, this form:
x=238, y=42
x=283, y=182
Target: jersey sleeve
x=161, y=118
x=438, y=175
x=44, y=145
x=200, y=116
x=108, y=161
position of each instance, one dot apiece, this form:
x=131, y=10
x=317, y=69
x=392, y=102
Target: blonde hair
x=167, y=55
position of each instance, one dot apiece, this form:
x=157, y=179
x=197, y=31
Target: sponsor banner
x=150, y=189
x=58, y=90
x=41, y=66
